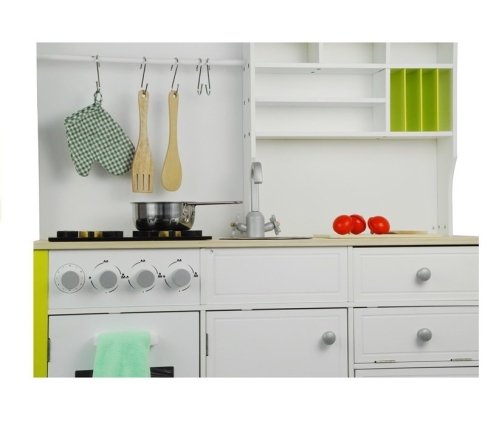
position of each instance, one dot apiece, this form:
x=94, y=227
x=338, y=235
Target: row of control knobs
x=106, y=277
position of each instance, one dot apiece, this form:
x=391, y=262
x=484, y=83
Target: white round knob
x=143, y=277
x=69, y=278
x=179, y=276
x=106, y=277
x=424, y=274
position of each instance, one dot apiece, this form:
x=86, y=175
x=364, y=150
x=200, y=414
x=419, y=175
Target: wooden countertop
x=270, y=242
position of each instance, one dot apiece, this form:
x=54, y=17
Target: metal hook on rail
x=174, y=77
x=98, y=82
x=199, y=68
x=143, y=66
x=208, y=81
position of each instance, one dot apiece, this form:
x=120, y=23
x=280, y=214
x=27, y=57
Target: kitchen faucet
x=255, y=226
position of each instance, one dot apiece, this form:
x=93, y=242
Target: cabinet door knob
x=329, y=338
x=424, y=334
x=424, y=274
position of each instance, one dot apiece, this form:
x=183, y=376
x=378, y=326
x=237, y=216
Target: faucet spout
x=256, y=178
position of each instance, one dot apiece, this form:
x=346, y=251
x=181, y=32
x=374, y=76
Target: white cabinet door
x=277, y=343
x=177, y=348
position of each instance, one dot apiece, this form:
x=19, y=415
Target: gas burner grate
x=118, y=236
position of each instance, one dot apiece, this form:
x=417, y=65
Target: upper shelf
x=351, y=135
x=341, y=69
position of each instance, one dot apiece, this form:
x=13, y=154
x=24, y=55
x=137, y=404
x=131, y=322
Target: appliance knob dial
x=106, y=277
x=179, y=276
x=69, y=278
x=143, y=278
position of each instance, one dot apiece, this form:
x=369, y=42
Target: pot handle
x=214, y=203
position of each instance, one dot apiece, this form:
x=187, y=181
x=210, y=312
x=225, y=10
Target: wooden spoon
x=142, y=164
x=171, y=172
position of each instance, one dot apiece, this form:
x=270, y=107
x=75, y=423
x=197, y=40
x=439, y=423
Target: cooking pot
x=157, y=216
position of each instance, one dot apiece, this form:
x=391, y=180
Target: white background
x=255, y=403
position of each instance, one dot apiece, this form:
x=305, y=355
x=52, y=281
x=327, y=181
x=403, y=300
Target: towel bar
x=154, y=339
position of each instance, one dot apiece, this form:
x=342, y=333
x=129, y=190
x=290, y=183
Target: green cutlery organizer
x=421, y=100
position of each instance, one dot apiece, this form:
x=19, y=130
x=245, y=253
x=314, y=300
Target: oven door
x=176, y=352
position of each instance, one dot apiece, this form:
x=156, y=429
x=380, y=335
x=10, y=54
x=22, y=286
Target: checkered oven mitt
x=93, y=135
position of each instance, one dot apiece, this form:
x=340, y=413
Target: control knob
x=69, y=278
x=179, y=276
x=106, y=277
x=143, y=277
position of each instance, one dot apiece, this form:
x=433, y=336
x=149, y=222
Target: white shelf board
x=347, y=69
x=263, y=135
x=318, y=101
x=327, y=68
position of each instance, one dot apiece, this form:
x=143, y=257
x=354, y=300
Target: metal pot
x=157, y=216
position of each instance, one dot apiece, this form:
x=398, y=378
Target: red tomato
x=342, y=224
x=358, y=224
x=378, y=225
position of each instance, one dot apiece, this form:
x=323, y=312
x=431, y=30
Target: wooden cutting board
x=392, y=233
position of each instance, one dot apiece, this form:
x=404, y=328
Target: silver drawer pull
x=424, y=334
x=329, y=338
x=424, y=274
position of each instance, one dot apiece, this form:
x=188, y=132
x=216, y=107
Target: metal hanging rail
x=137, y=60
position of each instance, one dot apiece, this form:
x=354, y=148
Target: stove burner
x=103, y=236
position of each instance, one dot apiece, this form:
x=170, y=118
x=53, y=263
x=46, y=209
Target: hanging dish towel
x=93, y=135
x=122, y=354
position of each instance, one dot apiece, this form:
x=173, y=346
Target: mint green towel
x=123, y=354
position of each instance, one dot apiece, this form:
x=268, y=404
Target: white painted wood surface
x=276, y=343
x=72, y=340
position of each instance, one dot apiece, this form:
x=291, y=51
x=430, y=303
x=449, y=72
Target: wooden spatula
x=142, y=163
x=171, y=172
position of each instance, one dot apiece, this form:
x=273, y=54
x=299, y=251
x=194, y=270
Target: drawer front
x=400, y=273
x=400, y=334
x=277, y=343
x=438, y=372
x=275, y=275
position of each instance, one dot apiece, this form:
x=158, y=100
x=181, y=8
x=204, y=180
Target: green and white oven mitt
x=93, y=135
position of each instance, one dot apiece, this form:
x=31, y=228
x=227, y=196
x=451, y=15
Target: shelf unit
x=339, y=100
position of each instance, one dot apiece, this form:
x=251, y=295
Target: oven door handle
x=154, y=339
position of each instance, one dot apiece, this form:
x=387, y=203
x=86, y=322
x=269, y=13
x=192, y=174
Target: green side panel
x=413, y=100
x=430, y=100
x=40, y=312
x=445, y=96
x=398, y=100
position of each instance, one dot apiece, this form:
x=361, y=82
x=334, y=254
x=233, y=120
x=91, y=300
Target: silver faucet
x=255, y=226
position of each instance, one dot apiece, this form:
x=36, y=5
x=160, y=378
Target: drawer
x=400, y=334
x=400, y=273
x=452, y=372
x=275, y=275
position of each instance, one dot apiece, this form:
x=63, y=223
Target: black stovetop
x=104, y=236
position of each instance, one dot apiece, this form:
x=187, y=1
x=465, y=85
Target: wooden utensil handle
x=173, y=116
x=143, y=98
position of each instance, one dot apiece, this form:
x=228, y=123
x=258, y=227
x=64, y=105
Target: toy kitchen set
x=321, y=174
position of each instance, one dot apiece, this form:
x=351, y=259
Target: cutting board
x=391, y=234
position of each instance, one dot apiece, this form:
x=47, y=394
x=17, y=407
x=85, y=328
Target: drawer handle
x=424, y=274
x=329, y=338
x=424, y=334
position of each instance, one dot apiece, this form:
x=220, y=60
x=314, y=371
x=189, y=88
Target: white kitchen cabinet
x=408, y=334
x=277, y=343
x=279, y=275
x=416, y=273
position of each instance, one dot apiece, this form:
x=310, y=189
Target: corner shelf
x=346, y=135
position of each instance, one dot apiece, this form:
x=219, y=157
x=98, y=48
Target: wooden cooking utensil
x=142, y=164
x=171, y=171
